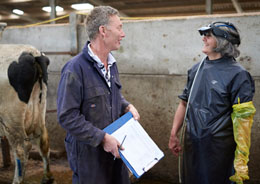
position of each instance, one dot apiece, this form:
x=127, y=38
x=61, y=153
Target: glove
x=242, y=118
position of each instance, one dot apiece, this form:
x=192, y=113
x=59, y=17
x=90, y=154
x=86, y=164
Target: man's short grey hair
x=99, y=16
x=226, y=48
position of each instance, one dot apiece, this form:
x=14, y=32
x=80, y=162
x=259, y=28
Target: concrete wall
x=153, y=61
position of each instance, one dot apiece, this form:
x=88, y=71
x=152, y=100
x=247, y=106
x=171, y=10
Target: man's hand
x=132, y=109
x=111, y=145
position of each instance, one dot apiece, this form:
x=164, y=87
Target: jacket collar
x=94, y=58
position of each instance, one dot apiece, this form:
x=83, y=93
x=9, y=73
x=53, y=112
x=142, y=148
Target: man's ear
x=102, y=30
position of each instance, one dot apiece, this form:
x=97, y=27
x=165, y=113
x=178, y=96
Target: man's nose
x=123, y=34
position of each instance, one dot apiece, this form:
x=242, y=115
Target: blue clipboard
x=115, y=126
x=118, y=123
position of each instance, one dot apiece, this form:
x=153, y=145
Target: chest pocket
x=94, y=99
x=95, y=103
x=94, y=92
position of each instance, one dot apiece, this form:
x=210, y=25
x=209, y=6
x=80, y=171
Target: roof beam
x=100, y=3
x=237, y=6
x=172, y=9
x=14, y=1
x=7, y=11
x=165, y=10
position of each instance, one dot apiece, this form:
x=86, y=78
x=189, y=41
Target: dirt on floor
x=60, y=170
x=58, y=165
x=34, y=171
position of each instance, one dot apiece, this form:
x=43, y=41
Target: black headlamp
x=214, y=28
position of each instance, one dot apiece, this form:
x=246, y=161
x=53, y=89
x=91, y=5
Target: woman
x=221, y=82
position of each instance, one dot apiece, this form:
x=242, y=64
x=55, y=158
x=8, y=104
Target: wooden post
x=53, y=10
x=5, y=152
x=209, y=7
x=73, y=34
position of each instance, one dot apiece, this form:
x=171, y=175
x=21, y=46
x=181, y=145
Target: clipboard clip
x=150, y=165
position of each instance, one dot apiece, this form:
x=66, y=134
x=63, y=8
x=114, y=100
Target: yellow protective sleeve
x=242, y=118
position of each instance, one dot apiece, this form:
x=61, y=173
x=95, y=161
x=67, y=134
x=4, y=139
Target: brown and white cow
x=23, y=88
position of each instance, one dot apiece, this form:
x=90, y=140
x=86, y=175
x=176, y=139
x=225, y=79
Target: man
x=89, y=99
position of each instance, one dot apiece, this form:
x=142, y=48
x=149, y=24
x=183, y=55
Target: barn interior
x=33, y=9
x=161, y=44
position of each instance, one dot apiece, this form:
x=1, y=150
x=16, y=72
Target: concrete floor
x=59, y=168
x=61, y=173
x=62, y=176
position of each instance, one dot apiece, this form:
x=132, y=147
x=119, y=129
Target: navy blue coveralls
x=86, y=105
x=209, y=144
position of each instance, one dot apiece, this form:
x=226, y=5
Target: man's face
x=114, y=33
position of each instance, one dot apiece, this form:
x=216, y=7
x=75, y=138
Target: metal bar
x=5, y=152
x=209, y=7
x=73, y=34
x=51, y=111
x=237, y=6
x=53, y=10
x=57, y=53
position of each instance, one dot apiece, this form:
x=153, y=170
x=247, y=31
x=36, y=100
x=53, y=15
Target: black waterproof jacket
x=209, y=144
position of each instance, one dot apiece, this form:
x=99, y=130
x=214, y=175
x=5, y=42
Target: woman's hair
x=99, y=16
x=225, y=47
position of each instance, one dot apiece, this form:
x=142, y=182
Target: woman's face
x=210, y=43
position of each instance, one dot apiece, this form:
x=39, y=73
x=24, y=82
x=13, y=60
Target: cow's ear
x=22, y=76
x=45, y=59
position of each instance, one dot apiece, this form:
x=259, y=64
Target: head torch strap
x=215, y=29
x=232, y=27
